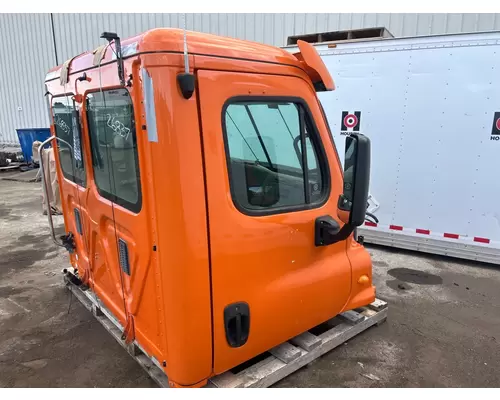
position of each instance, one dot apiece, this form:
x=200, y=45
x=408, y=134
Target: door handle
x=237, y=323
x=325, y=230
x=238, y=326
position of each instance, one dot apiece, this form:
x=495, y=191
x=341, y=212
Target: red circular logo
x=350, y=120
x=498, y=124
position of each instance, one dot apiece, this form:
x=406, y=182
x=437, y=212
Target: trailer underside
x=427, y=244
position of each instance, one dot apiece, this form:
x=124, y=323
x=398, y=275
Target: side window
x=114, y=147
x=265, y=153
x=68, y=128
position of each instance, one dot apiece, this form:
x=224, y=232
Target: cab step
x=266, y=369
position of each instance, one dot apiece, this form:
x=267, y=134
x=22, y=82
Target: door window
x=114, y=147
x=68, y=128
x=266, y=156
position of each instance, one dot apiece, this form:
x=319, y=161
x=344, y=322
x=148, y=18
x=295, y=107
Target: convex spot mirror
x=353, y=200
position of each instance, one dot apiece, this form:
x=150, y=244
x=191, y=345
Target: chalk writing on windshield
x=61, y=123
x=118, y=127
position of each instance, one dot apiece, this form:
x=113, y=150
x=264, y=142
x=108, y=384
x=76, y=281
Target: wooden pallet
x=290, y=356
x=266, y=369
x=94, y=305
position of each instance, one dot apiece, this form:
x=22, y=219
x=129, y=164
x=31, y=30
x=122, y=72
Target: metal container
x=28, y=136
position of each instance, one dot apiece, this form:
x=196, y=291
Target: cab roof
x=170, y=40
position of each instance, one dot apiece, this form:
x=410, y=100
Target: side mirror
x=353, y=200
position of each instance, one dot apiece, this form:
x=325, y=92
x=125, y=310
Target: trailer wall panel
x=428, y=105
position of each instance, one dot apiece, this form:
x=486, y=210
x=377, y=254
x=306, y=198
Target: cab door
x=72, y=179
x=110, y=139
x=86, y=152
x=121, y=239
x=271, y=171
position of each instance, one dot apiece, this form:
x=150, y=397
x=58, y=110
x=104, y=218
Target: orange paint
x=191, y=251
x=314, y=65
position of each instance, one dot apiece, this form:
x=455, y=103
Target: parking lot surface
x=443, y=327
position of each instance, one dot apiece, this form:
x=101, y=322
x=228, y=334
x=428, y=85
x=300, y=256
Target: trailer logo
x=350, y=122
x=495, y=130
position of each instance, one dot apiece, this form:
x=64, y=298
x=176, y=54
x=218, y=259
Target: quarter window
x=266, y=156
x=114, y=147
x=68, y=128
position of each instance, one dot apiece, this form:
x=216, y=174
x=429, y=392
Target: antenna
x=186, y=80
x=186, y=58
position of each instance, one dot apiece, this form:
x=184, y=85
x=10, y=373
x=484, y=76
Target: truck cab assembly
x=204, y=200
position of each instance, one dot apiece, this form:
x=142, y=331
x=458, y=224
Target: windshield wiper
x=259, y=136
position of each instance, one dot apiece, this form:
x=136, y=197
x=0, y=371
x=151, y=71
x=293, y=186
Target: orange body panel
x=266, y=261
x=314, y=65
x=191, y=251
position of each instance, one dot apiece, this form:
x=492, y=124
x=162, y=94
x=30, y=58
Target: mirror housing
x=352, y=202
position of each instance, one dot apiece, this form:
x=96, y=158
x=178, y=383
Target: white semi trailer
x=431, y=107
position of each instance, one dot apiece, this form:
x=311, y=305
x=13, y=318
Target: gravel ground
x=443, y=327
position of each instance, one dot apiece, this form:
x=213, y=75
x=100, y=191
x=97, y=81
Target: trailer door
x=269, y=281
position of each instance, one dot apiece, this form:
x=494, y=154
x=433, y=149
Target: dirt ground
x=443, y=327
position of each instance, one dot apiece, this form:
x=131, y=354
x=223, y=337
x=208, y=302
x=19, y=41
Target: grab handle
x=45, y=190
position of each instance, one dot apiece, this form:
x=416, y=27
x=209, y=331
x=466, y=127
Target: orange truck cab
x=204, y=202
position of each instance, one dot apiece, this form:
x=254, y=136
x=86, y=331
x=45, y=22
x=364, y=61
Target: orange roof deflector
x=315, y=67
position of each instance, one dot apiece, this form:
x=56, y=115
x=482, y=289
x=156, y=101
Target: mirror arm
x=328, y=231
x=343, y=234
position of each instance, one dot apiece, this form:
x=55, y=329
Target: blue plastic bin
x=28, y=136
